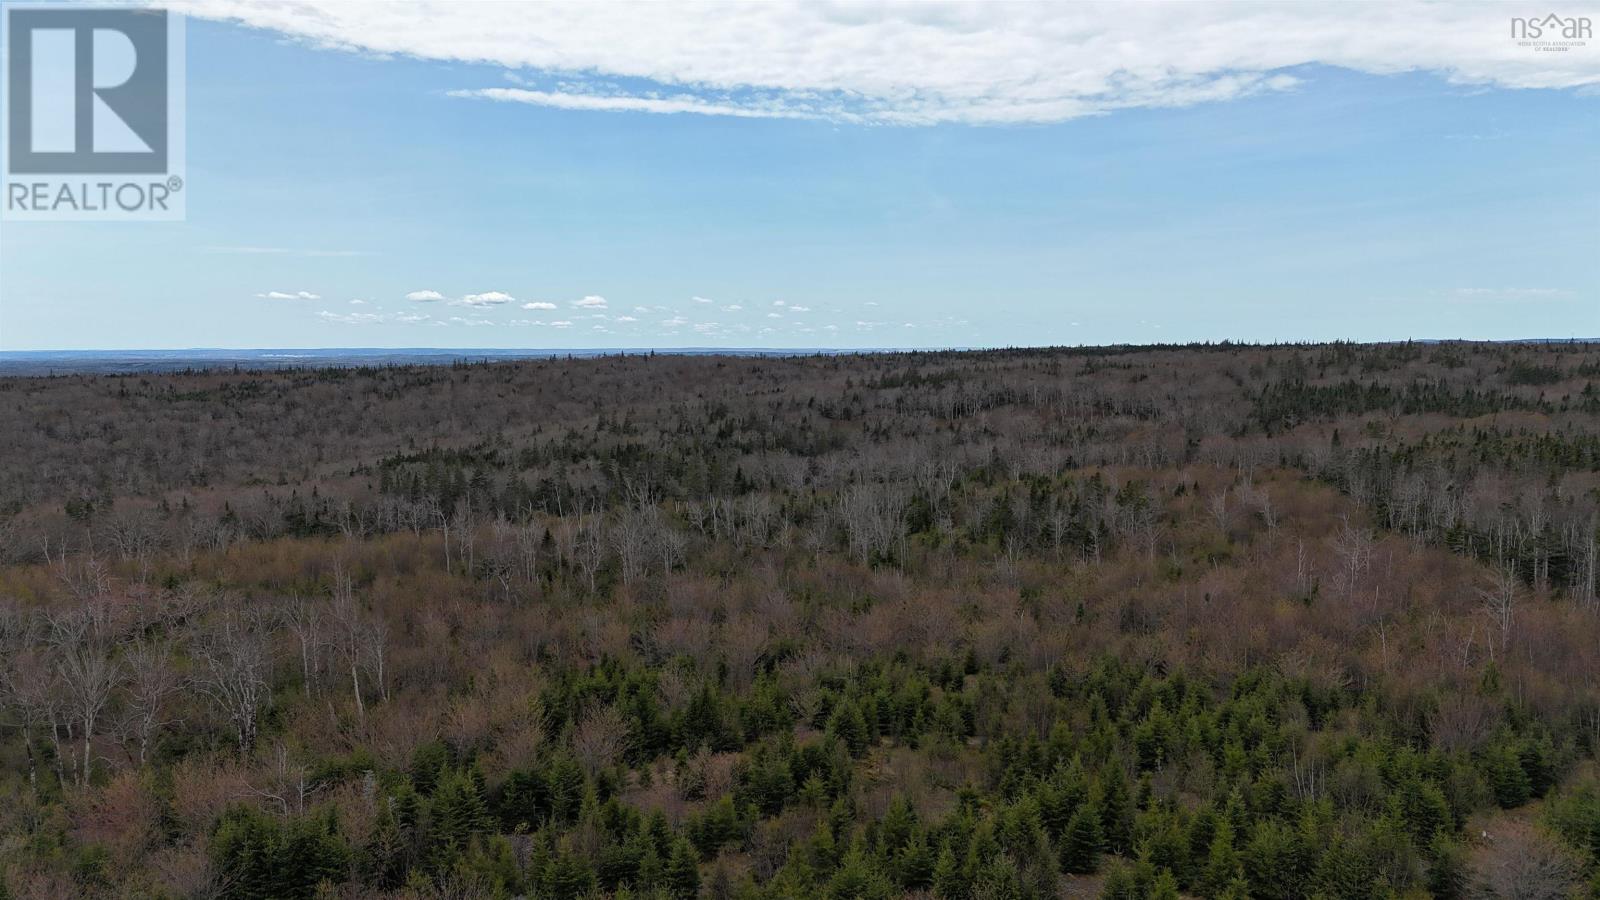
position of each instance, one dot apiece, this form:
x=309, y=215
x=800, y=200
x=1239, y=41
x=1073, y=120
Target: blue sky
x=1336, y=204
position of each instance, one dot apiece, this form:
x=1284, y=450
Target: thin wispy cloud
x=919, y=64
x=1513, y=293
x=351, y=318
x=284, y=251
x=288, y=295
x=487, y=299
x=618, y=102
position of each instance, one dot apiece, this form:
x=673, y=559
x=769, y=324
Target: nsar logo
x=1552, y=33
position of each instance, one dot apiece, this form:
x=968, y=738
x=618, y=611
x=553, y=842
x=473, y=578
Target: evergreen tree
x=858, y=879
x=1080, y=848
x=570, y=876
x=1120, y=884
x=849, y=727
x=948, y=880
x=1116, y=811
x=1275, y=862
x=682, y=875
x=1165, y=887
x=1342, y=873
x=1447, y=872
x=1506, y=776
x=456, y=812
x=1222, y=868
x=998, y=879
x=566, y=786
x=914, y=864
x=652, y=869
x=821, y=852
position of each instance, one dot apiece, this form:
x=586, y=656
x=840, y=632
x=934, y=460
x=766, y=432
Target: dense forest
x=1219, y=621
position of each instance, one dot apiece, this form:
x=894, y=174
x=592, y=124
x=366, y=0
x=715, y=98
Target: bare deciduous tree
x=631, y=538
x=361, y=641
x=306, y=622
x=1217, y=508
x=1499, y=593
x=287, y=783
x=600, y=737
x=1354, y=548
x=589, y=551
x=83, y=644
x=152, y=682
x=1520, y=861
x=873, y=518
x=235, y=665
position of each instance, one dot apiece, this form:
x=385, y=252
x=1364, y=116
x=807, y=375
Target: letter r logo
x=87, y=91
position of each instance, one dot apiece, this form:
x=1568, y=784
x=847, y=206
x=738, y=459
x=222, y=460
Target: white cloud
x=774, y=315
x=917, y=63
x=412, y=318
x=626, y=319
x=617, y=102
x=484, y=300
x=288, y=295
x=538, y=304
x=425, y=296
x=675, y=322
x=800, y=309
x=703, y=300
x=561, y=324
x=733, y=307
x=357, y=318
x=590, y=302
x=358, y=303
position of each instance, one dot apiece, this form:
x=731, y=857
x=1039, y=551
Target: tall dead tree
x=1499, y=593
x=82, y=643
x=306, y=622
x=151, y=683
x=361, y=640
x=235, y=668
